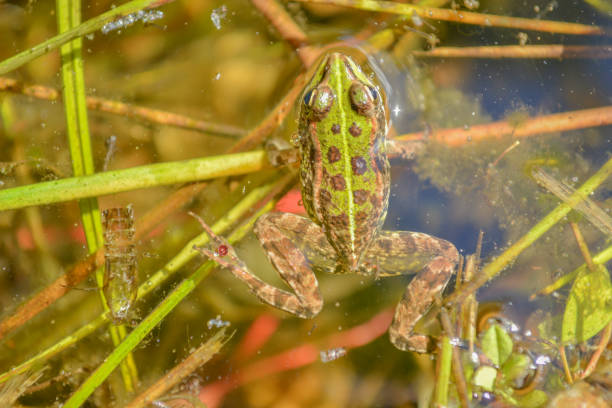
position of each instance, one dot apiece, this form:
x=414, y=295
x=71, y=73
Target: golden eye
x=363, y=98
x=319, y=101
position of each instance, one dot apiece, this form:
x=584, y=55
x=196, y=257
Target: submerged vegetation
x=501, y=116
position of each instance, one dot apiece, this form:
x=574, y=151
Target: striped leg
x=423, y=289
x=287, y=258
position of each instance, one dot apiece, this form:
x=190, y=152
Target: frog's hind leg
x=421, y=292
x=287, y=258
x=276, y=232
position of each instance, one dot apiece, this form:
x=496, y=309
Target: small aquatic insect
x=120, y=279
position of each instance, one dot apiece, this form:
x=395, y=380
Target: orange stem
x=556, y=122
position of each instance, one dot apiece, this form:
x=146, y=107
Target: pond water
x=504, y=120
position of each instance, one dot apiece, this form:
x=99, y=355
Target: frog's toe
x=307, y=312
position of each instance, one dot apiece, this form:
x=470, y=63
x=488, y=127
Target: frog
x=344, y=176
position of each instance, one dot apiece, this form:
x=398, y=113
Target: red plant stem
x=256, y=336
x=603, y=343
x=556, y=122
x=519, y=51
x=297, y=357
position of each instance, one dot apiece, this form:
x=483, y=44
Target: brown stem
x=274, y=118
x=603, y=343
x=469, y=17
x=123, y=109
x=519, y=51
x=181, y=371
x=584, y=249
x=51, y=293
x=282, y=21
x=158, y=214
x=556, y=122
x=566, y=369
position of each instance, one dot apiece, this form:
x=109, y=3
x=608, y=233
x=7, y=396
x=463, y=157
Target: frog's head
x=344, y=170
x=339, y=82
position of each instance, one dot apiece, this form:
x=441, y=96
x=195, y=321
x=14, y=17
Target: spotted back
x=344, y=169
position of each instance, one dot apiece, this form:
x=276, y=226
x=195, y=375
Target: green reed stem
x=69, y=16
x=117, y=181
x=80, y=30
x=137, y=335
x=502, y=261
x=184, y=256
x=598, y=259
x=161, y=311
x=444, y=372
x=79, y=140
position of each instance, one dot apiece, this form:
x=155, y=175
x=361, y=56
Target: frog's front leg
x=441, y=258
x=290, y=262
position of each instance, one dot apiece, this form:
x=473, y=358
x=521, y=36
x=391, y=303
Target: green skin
x=344, y=176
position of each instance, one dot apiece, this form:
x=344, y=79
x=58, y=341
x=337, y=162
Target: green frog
x=344, y=178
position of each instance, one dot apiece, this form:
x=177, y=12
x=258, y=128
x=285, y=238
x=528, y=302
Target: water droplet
x=217, y=322
x=332, y=354
x=217, y=15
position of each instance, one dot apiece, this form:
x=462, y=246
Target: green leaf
x=534, y=399
x=80, y=30
x=515, y=367
x=497, y=345
x=589, y=306
x=550, y=328
x=484, y=377
x=604, y=6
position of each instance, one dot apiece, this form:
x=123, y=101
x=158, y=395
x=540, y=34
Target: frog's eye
x=319, y=100
x=363, y=98
x=307, y=97
x=373, y=92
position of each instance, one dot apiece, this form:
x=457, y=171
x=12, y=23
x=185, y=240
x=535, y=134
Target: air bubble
x=332, y=354
x=217, y=322
x=130, y=19
x=217, y=15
